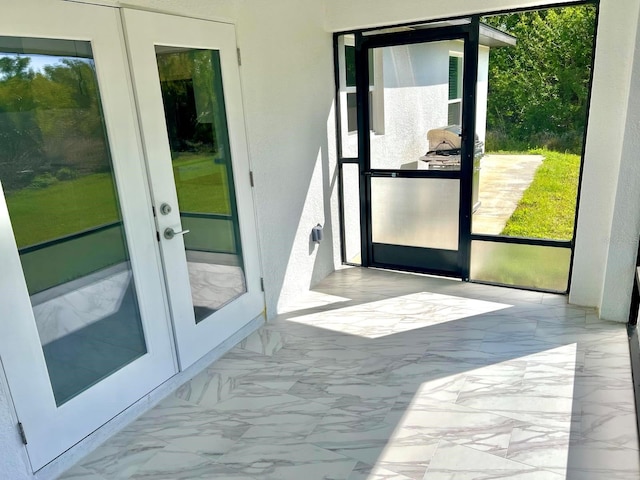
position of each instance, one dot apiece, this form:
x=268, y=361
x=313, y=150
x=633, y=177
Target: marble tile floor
x=381, y=375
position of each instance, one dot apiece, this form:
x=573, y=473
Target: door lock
x=165, y=209
x=169, y=233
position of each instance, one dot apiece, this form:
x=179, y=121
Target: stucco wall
x=625, y=226
x=287, y=77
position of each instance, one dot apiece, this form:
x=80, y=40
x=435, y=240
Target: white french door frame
x=144, y=30
x=50, y=430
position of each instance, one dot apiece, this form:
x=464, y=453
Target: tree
x=538, y=90
x=50, y=119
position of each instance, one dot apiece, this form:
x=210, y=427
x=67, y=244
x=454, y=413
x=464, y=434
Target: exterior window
x=455, y=90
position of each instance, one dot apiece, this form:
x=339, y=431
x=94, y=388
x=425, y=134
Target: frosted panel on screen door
x=416, y=212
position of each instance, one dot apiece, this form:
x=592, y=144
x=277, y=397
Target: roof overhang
x=492, y=37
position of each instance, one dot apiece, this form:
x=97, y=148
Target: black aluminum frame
x=443, y=262
x=493, y=238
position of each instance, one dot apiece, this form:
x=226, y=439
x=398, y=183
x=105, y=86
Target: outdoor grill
x=444, y=154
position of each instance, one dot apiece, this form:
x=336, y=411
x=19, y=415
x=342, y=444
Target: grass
x=201, y=184
x=547, y=208
x=70, y=206
x=38, y=215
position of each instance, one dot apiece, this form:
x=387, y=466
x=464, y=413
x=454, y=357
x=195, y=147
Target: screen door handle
x=169, y=233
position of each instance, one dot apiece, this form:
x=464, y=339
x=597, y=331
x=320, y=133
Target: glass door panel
x=81, y=283
x=187, y=85
x=193, y=102
x=63, y=204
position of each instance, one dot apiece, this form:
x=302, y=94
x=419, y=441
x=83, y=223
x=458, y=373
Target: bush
x=496, y=141
x=568, y=142
x=66, y=173
x=43, y=181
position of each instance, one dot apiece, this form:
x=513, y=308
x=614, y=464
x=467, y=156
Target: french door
x=108, y=159
x=187, y=84
x=416, y=109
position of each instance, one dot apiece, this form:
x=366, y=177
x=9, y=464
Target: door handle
x=169, y=233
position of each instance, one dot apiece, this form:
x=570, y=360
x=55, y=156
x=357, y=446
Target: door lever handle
x=169, y=233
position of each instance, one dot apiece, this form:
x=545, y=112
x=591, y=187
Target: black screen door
x=416, y=105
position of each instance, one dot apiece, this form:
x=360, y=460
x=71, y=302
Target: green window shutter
x=453, y=77
x=350, y=65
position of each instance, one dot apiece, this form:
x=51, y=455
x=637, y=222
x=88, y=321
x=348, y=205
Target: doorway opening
x=460, y=163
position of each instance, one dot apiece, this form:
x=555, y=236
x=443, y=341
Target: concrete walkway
x=503, y=180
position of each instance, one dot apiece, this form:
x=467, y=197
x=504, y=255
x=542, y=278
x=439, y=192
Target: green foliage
x=43, y=181
x=49, y=120
x=547, y=208
x=538, y=90
x=66, y=173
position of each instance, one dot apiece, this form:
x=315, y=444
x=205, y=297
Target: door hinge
x=239, y=57
x=262, y=283
x=23, y=435
x=251, y=178
x=158, y=236
x=153, y=209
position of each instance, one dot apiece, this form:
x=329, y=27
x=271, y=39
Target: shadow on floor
x=378, y=375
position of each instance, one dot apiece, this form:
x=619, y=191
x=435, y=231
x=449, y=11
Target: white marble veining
x=379, y=375
x=73, y=310
x=213, y=286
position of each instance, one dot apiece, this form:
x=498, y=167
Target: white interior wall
x=604, y=247
x=625, y=226
x=355, y=14
x=288, y=88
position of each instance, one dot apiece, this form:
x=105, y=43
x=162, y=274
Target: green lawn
x=41, y=214
x=70, y=206
x=202, y=184
x=547, y=208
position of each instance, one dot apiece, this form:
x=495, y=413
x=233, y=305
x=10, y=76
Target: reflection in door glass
x=195, y=114
x=57, y=176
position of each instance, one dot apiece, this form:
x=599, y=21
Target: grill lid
x=444, y=138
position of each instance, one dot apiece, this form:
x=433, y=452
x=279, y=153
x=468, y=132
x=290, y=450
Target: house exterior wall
x=416, y=90
x=415, y=94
